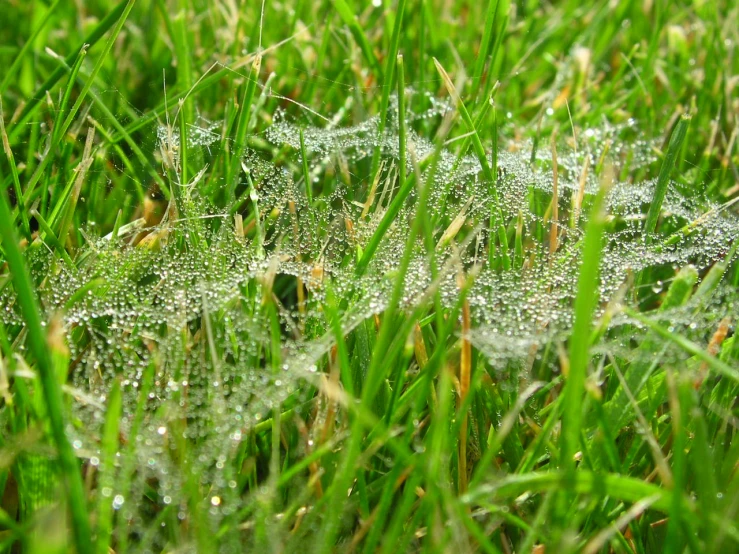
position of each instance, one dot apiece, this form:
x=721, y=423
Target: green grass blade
x=676, y=142
x=402, y=163
x=239, y=144
x=14, y=172
x=51, y=389
x=687, y=345
x=620, y=487
x=107, y=478
x=351, y=21
x=98, y=66
x=51, y=237
x=491, y=16
x=62, y=111
x=579, y=342
x=307, y=181
x=387, y=80
x=487, y=172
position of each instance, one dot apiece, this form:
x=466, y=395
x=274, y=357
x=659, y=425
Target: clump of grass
x=305, y=285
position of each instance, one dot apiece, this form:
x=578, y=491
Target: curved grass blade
x=620, y=487
x=351, y=21
x=720, y=367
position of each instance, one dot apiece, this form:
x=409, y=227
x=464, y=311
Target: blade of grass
x=62, y=129
x=375, y=373
x=307, y=181
x=109, y=444
x=402, y=163
x=184, y=62
x=491, y=16
x=678, y=401
x=637, y=373
x=243, y=124
x=51, y=237
x=676, y=142
x=184, y=147
x=579, y=342
x=482, y=158
x=81, y=173
x=690, y=347
x=351, y=21
x=60, y=115
x=387, y=220
x=387, y=81
x=50, y=386
x=98, y=66
x=617, y=486
x=14, y=172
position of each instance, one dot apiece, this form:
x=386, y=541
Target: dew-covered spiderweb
x=179, y=321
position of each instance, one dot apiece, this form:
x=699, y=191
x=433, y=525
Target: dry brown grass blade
x=578, y=198
x=419, y=347
x=313, y=467
x=373, y=190
x=714, y=347
x=465, y=373
x=554, y=222
x=455, y=226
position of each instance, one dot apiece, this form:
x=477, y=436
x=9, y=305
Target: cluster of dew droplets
x=183, y=321
x=513, y=312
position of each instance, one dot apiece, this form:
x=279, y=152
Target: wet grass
x=236, y=343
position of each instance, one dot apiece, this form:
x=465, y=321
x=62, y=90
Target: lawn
x=369, y=276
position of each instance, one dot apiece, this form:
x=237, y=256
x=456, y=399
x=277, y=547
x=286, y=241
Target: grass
x=369, y=277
